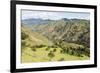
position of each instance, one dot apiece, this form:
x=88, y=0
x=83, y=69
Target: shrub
x=53, y=46
x=62, y=59
x=72, y=52
x=67, y=50
x=23, y=44
x=61, y=51
x=47, y=49
x=87, y=52
x=24, y=36
x=33, y=49
x=54, y=50
x=39, y=46
x=51, y=54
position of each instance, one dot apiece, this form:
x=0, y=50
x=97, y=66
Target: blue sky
x=27, y=14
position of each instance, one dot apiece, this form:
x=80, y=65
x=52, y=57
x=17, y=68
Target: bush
x=54, y=50
x=62, y=51
x=78, y=53
x=67, y=50
x=51, y=54
x=87, y=52
x=47, y=49
x=23, y=44
x=39, y=46
x=72, y=52
x=53, y=46
x=62, y=59
x=33, y=49
x=24, y=36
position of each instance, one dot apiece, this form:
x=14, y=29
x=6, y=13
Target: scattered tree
x=51, y=54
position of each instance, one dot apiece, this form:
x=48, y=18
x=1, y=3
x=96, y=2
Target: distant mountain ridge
x=33, y=21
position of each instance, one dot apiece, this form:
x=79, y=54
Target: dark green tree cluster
x=24, y=36
x=79, y=51
x=23, y=42
x=38, y=46
x=53, y=47
x=51, y=54
x=76, y=51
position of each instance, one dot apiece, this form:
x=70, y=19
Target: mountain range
x=67, y=30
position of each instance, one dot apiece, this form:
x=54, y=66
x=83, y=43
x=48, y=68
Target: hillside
x=68, y=30
x=33, y=38
x=56, y=40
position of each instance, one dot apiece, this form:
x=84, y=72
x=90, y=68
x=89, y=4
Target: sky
x=27, y=14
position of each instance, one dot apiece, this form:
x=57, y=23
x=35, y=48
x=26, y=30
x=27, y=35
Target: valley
x=55, y=40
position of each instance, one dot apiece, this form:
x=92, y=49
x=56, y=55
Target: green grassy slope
x=37, y=48
x=41, y=55
x=34, y=38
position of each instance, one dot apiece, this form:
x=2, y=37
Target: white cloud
x=53, y=15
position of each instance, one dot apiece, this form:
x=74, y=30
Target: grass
x=35, y=38
x=41, y=55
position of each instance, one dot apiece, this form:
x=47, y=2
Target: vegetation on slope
x=59, y=40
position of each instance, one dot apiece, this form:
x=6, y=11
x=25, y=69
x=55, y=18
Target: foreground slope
x=38, y=48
